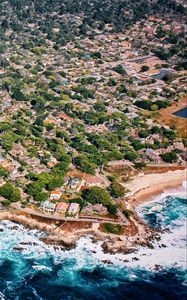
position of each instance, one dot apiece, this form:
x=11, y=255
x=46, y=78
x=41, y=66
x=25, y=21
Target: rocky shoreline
x=135, y=234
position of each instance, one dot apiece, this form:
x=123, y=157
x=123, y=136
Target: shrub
x=113, y=228
x=127, y=213
x=144, y=68
x=169, y=157
x=113, y=209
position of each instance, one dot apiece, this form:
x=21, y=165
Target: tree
x=4, y=24
x=113, y=228
x=154, y=107
x=4, y=172
x=144, y=68
x=113, y=209
x=82, y=162
x=100, y=106
x=34, y=188
x=116, y=190
x=169, y=157
x=122, y=89
x=4, y=126
x=96, y=54
x=127, y=213
x=139, y=165
x=143, y=134
x=55, y=182
x=18, y=95
x=96, y=195
x=6, y=202
x=10, y=192
x=184, y=141
x=112, y=82
x=40, y=197
x=130, y=155
x=119, y=69
x=49, y=127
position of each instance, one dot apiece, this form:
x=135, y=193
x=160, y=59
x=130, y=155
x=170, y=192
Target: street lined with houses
x=57, y=217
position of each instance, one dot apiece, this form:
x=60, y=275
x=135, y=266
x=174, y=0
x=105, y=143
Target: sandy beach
x=144, y=187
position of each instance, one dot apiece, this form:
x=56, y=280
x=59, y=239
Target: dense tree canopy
x=96, y=195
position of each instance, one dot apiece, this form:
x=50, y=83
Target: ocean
x=41, y=272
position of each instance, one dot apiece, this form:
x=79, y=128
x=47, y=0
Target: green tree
x=34, y=188
x=144, y=69
x=84, y=164
x=169, y=157
x=130, y=155
x=18, y=95
x=40, y=197
x=112, y=209
x=96, y=195
x=4, y=172
x=127, y=213
x=119, y=69
x=10, y=192
x=113, y=228
x=116, y=190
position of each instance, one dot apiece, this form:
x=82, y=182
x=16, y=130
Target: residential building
x=55, y=195
x=61, y=207
x=94, y=209
x=73, y=210
x=48, y=206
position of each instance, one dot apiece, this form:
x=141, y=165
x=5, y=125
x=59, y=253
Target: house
x=93, y=181
x=6, y=164
x=65, y=117
x=61, y=207
x=55, y=195
x=74, y=182
x=50, y=121
x=48, y=206
x=52, y=162
x=18, y=150
x=95, y=209
x=66, y=180
x=73, y=210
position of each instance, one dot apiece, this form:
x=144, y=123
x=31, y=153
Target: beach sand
x=145, y=187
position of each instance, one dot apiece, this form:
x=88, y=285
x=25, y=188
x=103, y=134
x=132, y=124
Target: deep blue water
x=181, y=113
x=40, y=272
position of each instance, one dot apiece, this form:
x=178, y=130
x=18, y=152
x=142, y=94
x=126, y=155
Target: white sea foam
x=170, y=251
x=40, y=268
x=180, y=192
x=2, y=296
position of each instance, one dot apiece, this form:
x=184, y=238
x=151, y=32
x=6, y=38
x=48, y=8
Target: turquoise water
x=40, y=272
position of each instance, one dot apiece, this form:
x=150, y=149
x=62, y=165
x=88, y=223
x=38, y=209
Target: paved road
x=57, y=217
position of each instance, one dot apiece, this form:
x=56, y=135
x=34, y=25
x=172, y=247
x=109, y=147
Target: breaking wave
x=30, y=269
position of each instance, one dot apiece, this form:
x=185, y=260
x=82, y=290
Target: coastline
x=135, y=234
x=145, y=187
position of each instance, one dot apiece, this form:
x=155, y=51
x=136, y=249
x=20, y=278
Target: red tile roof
x=65, y=117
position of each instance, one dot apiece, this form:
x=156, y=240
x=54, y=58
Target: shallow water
x=40, y=272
